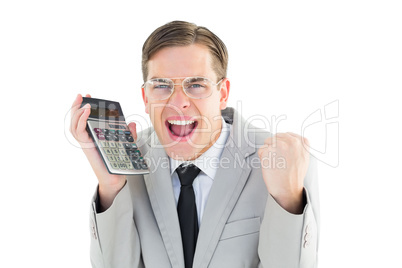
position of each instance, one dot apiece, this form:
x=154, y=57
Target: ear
x=145, y=99
x=224, y=93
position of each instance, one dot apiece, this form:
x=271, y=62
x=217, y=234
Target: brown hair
x=182, y=33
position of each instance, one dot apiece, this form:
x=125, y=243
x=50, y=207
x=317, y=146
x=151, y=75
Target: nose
x=179, y=98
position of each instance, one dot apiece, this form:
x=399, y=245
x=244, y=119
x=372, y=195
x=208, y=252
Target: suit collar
x=242, y=135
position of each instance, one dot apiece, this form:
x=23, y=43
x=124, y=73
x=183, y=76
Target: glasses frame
x=182, y=86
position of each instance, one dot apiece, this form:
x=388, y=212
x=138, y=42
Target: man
x=242, y=209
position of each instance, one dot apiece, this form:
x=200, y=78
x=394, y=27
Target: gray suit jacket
x=242, y=225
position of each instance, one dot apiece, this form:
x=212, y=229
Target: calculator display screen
x=104, y=109
x=109, y=111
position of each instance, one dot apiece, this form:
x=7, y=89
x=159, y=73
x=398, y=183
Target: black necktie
x=187, y=211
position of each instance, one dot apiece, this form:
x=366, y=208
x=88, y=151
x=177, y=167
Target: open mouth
x=181, y=128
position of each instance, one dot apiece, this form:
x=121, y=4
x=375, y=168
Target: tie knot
x=187, y=173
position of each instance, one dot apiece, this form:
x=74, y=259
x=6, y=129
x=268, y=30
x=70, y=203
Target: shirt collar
x=208, y=162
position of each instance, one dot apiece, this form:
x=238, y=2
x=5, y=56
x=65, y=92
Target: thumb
x=133, y=129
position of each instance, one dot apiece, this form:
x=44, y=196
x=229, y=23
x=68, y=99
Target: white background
x=286, y=58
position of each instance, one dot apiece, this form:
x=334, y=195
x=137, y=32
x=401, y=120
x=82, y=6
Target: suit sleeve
x=114, y=237
x=289, y=240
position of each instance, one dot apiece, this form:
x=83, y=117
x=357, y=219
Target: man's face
x=172, y=118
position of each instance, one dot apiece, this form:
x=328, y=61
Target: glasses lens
x=159, y=88
x=198, y=87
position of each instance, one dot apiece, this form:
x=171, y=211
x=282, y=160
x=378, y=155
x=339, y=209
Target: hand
x=284, y=162
x=109, y=184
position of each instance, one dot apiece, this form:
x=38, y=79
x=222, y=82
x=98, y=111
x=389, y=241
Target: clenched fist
x=284, y=161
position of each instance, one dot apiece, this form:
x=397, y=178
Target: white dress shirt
x=208, y=162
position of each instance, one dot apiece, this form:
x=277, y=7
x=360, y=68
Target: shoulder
x=261, y=135
x=144, y=135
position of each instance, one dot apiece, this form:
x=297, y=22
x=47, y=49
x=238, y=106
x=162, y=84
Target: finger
x=279, y=139
x=82, y=122
x=285, y=137
x=274, y=138
x=133, y=129
x=88, y=96
x=302, y=139
x=74, y=121
x=294, y=135
x=264, y=150
x=76, y=104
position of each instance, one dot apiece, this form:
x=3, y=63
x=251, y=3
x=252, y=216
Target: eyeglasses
x=194, y=87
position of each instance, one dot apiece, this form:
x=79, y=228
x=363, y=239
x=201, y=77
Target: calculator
x=107, y=127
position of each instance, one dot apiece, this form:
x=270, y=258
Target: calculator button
x=130, y=166
x=130, y=139
x=128, y=146
x=107, y=151
x=97, y=130
x=133, y=157
x=134, y=146
x=100, y=136
x=120, y=132
x=133, y=153
x=136, y=165
x=123, y=138
x=122, y=165
x=104, y=144
x=118, y=158
x=111, y=158
x=122, y=152
x=119, y=145
x=115, y=151
x=114, y=165
x=112, y=144
x=125, y=158
x=115, y=137
x=105, y=131
x=108, y=137
x=112, y=131
x=144, y=166
x=128, y=133
x=141, y=161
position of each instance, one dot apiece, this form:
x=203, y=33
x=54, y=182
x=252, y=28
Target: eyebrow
x=154, y=77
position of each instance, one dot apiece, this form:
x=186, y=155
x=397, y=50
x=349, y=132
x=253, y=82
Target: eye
x=161, y=86
x=196, y=86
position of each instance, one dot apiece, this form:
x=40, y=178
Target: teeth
x=181, y=123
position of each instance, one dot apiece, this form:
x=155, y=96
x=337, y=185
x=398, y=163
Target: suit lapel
x=160, y=191
x=228, y=184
